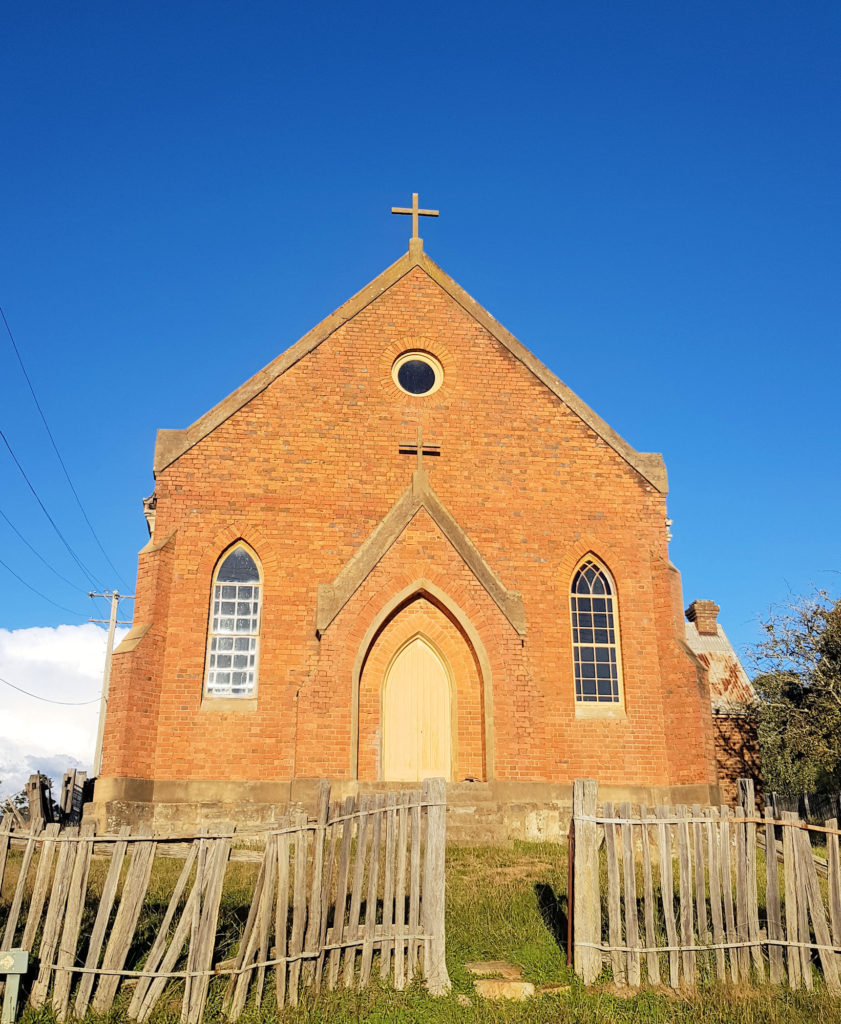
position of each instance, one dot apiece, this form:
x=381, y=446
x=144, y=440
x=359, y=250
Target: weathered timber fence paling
x=365, y=878
x=691, y=875
x=809, y=806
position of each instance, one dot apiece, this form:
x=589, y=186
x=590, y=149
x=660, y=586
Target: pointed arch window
x=233, y=641
x=595, y=636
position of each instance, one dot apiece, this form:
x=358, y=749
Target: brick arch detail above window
x=598, y=548
x=226, y=538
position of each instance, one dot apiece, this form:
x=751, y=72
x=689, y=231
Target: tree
x=798, y=689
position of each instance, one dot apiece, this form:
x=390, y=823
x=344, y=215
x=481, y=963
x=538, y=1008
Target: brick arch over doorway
x=427, y=611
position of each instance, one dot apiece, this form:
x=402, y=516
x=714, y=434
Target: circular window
x=417, y=373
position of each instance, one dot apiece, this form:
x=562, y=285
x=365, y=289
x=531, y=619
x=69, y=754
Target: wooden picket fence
x=811, y=807
x=675, y=895
x=359, y=888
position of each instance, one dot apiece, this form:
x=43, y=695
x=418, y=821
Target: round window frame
x=423, y=357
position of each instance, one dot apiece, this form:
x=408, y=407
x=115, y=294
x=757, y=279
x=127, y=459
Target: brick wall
x=737, y=755
x=305, y=472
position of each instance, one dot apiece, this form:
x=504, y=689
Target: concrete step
x=473, y=817
x=485, y=808
x=477, y=814
x=469, y=790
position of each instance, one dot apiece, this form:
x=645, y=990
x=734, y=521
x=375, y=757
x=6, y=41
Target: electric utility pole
x=115, y=597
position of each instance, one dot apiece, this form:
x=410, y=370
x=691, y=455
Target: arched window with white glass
x=595, y=636
x=233, y=642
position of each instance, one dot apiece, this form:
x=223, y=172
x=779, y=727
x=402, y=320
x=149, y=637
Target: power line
x=48, y=700
x=55, y=446
x=29, y=586
x=73, y=554
x=37, y=553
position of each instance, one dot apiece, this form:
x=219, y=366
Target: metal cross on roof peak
x=415, y=212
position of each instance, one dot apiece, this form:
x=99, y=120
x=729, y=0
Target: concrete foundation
x=477, y=812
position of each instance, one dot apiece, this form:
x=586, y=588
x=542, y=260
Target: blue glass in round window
x=416, y=376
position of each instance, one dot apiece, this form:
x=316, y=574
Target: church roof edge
x=172, y=444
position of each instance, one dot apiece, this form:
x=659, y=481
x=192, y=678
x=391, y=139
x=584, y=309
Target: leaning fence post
x=587, y=921
x=434, y=887
x=748, y=804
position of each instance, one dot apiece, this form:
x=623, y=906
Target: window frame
x=422, y=356
x=235, y=701
x=597, y=708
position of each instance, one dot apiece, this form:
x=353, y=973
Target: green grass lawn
x=503, y=903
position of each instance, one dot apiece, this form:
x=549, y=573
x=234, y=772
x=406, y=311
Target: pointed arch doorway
x=417, y=714
x=421, y=683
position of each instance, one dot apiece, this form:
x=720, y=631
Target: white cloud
x=61, y=663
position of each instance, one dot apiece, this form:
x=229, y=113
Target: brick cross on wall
x=420, y=449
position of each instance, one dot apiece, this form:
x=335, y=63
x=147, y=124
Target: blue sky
x=646, y=195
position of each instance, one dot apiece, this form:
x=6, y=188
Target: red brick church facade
x=356, y=548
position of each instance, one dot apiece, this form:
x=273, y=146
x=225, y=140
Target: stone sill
x=614, y=712
x=229, y=704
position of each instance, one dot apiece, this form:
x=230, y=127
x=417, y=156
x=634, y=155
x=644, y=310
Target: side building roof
x=730, y=688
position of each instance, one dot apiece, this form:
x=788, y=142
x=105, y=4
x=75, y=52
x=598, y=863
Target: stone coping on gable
x=332, y=597
x=172, y=444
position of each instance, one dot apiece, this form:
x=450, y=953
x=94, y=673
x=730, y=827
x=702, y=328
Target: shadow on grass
x=554, y=911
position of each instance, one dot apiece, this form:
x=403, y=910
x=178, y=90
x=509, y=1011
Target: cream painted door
x=416, y=715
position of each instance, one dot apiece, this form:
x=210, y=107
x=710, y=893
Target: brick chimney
x=704, y=614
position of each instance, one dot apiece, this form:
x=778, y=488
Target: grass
x=505, y=902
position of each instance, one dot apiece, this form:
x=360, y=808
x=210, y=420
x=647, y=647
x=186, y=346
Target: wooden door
x=416, y=715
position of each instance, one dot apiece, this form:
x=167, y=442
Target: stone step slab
x=499, y=988
x=496, y=968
